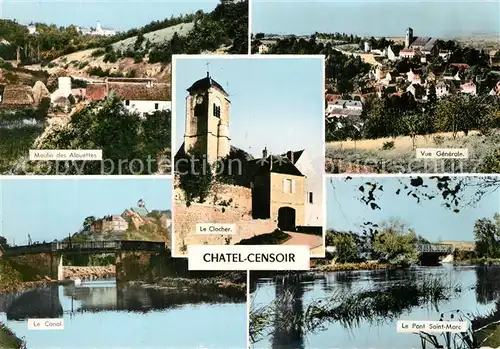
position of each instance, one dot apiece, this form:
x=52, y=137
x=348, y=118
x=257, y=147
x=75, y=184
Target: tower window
x=311, y=201
x=216, y=110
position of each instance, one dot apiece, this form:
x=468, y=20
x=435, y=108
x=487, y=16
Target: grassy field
x=155, y=37
x=401, y=158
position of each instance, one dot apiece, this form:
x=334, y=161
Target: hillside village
x=51, y=78
x=395, y=90
x=134, y=223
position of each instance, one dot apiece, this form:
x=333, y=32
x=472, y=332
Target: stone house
x=143, y=96
x=314, y=186
x=278, y=190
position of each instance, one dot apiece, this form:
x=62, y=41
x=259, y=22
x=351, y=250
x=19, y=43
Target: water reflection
x=133, y=316
x=474, y=289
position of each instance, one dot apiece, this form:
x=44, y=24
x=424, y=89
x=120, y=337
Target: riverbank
x=8, y=340
x=370, y=265
x=226, y=286
x=477, y=261
x=89, y=273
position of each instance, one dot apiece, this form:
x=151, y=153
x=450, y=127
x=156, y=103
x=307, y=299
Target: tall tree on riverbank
x=487, y=235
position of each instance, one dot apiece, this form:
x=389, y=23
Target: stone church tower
x=408, y=37
x=207, y=119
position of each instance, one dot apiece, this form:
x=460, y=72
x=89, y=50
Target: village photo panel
x=402, y=96
x=83, y=97
x=94, y=254
x=248, y=140
x=421, y=252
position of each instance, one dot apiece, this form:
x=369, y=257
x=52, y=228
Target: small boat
x=77, y=282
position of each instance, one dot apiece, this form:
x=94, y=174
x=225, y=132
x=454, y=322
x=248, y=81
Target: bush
x=438, y=140
x=388, y=145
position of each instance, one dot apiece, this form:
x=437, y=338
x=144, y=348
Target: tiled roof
x=96, y=92
x=420, y=41
x=275, y=164
x=205, y=84
x=430, y=44
x=18, y=95
x=130, y=91
x=142, y=92
x=295, y=155
x=141, y=211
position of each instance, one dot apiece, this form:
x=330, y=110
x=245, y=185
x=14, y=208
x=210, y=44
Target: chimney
x=291, y=157
x=264, y=153
x=208, y=74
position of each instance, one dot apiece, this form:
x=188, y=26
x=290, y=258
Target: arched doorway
x=286, y=218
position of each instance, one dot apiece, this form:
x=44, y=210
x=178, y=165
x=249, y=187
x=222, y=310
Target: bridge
x=435, y=248
x=92, y=247
x=133, y=258
x=430, y=254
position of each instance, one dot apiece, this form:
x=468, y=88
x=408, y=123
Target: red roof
x=460, y=65
x=97, y=92
x=332, y=97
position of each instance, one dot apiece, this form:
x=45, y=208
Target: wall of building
x=147, y=106
x=314, y=184
x=294, y=200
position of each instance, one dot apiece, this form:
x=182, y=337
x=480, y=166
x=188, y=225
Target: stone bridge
x=135, y=260
x=430, y=254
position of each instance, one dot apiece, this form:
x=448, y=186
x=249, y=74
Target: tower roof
x=205, y=84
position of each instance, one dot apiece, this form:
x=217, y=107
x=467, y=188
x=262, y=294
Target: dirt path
x=313, y=241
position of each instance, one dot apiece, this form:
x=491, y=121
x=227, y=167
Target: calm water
x=480, y=289
x=98, y=314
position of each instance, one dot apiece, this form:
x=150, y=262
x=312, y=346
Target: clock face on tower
x=199, y=99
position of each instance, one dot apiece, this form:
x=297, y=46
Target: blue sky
x=117, y=14
x=50, y=209
x=376, y=17
x=429, y=218
x=275, y=103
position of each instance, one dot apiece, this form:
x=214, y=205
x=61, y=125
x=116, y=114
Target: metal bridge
x=435, y=248
x=111, y=246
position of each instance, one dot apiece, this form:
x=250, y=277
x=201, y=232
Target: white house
x=391, y=55
x=469, y=88
x=442, y=89
x=32, y=29
x=143, y=96
x=99, y=31
x=314, y=186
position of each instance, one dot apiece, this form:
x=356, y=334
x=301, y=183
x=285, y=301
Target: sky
x=49, y=209
x=441, y=18
x=119, y=15
x=429, y=218
x=275, y=103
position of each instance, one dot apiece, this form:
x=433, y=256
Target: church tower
x=207, y=119
x=408, y=37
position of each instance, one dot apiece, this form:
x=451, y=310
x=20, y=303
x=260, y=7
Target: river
x=102, y=314
x=478, y=289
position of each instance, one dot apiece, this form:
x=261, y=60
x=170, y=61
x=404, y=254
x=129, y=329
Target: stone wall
x=222, y=195
x=42, y=264
x=186, y=218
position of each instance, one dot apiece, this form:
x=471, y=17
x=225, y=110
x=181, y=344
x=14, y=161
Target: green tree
x=3, y=242
x=396, y=242
x=347, y=250
x=195, y=175
x=88, y=221
x=487, y=236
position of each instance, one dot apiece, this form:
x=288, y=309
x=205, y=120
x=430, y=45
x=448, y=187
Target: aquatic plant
x=347, y=308
x=8, y=339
